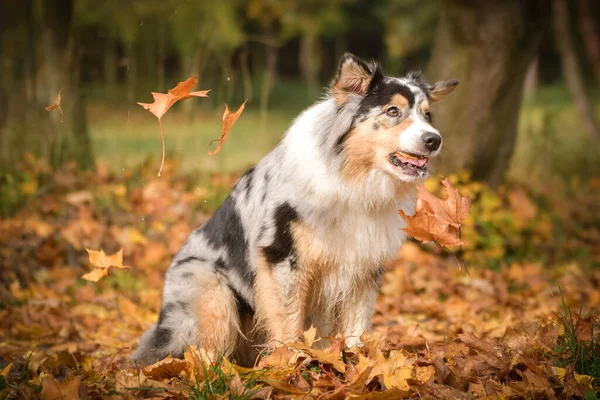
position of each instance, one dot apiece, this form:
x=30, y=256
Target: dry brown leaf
x=56, y=104
x=427, y=228
x=453, y=210
x=229, y=119
x=437, y=220
x=163, y=102
x=167, y=369
x=102, y=263
x=67, y=389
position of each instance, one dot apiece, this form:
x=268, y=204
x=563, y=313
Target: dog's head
x=392, y=128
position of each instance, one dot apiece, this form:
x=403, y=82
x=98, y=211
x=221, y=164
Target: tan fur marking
x=363, y=147
x=399, y=101
x=425, y=107
x=216, y=312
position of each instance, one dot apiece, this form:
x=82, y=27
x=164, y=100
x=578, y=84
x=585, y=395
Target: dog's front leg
x=357, y=314
x=280, y=300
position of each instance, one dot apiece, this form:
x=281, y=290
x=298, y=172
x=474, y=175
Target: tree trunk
x=531, y=78
x=267, y=81
x=110, y=69
x=130, y=72
x=571, y=69
x=309, y=61
x=161, y=56
x=246, y=77
x=589, y=33
x=487, y=45
x=49, y=63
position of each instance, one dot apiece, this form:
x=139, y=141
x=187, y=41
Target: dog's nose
x=432, y=141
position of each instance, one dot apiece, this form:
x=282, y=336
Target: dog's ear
x=441, y=89
x=355, y=77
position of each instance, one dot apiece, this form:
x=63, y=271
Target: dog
x=304, y=235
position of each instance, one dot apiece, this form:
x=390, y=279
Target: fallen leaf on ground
x=437, y=220
x=229, y=119
x=162, y=103
x=103, y=263
x=67, y=389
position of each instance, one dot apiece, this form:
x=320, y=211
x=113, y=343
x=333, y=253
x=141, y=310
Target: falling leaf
x=56, y=104
x=67, y=389
x=103, y=263
x=163, y=102
x=437, y=220
x=229, y=119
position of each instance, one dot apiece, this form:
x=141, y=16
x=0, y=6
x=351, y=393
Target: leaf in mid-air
x=103, y=263
x=229, y=119
x=164, y=101
x=56, y=104
x=437, y=220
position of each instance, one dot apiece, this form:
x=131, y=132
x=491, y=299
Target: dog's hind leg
x=198, y=309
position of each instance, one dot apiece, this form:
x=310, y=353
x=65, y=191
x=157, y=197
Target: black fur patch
x=164, y=312
x=249, y=178
x=220, y=264
x=162, y=337
x=283, y=243
x=225, y=229
x=243, y=307
x=187, y=260
x=417, y=79
x=382, y=94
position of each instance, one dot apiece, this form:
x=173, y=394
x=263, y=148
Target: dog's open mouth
x=411, y=164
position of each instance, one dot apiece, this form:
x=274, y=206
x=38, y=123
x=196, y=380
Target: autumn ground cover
x=518, y=324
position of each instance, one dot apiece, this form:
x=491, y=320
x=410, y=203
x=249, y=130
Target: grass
x=218, y=383
x=574, y=349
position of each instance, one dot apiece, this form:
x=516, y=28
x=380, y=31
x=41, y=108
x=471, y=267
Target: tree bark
x=487, y=45
x=589, y=33
x=571, y=68
x=267, y=81
x=44, y=61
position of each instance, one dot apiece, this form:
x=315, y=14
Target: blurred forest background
x=526, y=108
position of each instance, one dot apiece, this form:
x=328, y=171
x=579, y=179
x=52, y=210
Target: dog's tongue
x=419, y=162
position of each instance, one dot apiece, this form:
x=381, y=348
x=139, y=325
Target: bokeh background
x=526, y=108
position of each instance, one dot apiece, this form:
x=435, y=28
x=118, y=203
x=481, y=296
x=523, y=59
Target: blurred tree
x=40, y=55
x=571, y=68
x=205, y=33
x=589, y=34
x=487, y=45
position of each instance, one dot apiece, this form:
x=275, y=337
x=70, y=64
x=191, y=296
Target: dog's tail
x=154, y=346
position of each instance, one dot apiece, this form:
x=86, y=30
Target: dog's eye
x=428, y=116
x=392, y=111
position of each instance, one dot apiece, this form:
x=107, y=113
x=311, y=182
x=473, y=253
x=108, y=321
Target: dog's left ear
x=441, y=89
x=355, y=77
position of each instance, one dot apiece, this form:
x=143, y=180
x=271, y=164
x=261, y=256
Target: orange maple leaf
x=229, y=119
x=103, y=263
x=437, y=220
x=56, y=104
x=163, y=102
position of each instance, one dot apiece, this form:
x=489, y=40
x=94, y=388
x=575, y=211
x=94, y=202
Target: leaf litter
x=438, y=333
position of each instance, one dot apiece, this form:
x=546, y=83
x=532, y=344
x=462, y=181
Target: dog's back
x=303, y=236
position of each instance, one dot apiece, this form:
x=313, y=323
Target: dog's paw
x=353, y=341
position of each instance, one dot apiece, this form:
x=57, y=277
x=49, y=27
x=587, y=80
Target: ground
x=516, y=324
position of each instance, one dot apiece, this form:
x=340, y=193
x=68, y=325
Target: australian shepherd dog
x=304, y=236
